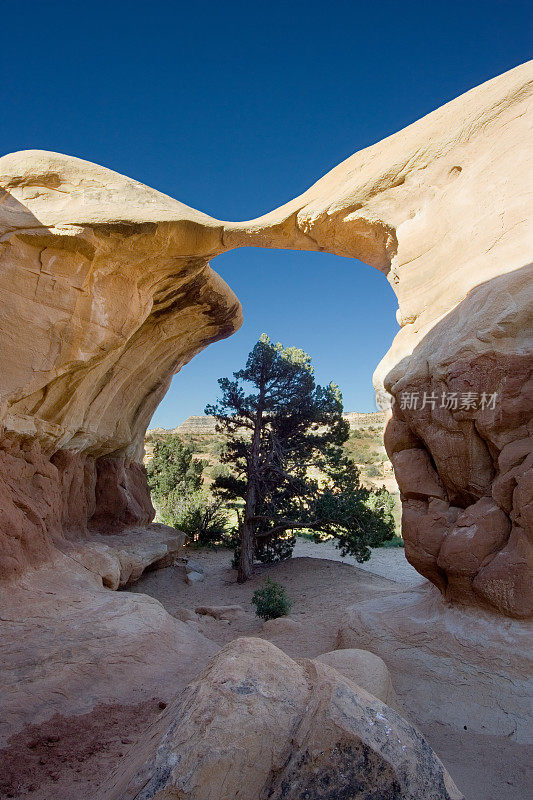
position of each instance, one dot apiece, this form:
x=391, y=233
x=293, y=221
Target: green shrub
x=219, y=471
x=172, y=467
x=396, y=541
x=373, y=471
x=271, y=601
x=195, y=514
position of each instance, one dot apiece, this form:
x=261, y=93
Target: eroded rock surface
x=443, y=208
x=465, y=668
x=285, y=729
x=70, y=644
x=365, y=669
x=107, y=292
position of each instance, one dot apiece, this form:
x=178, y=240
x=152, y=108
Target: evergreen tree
x=284, y=442
x=173, y=467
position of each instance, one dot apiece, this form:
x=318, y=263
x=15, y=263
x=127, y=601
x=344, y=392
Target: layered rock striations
x=442, y=208
x=107, y=291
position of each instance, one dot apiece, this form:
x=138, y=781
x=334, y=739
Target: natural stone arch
x=108, y=292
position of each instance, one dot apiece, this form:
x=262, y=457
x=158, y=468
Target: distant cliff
x=206, y=425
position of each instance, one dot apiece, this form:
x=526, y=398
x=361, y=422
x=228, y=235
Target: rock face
x=284, y=729
x=364, y=669
x=465, y=668
x=442, y=208
x=69, y=644
x=107, y=292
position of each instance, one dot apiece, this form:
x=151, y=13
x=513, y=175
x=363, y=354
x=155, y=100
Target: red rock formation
x=107, y=292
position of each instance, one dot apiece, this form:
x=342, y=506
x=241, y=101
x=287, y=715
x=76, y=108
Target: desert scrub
x=271, y=601
x=396, y=541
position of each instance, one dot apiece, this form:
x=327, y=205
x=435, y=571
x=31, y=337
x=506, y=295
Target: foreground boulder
x=467, y=668
x=256, y=725
x=366, y=670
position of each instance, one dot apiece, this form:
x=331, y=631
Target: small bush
x=195, y=514
x=373, y=471
x=396, y=541
x=271, y=601
x=219, y=471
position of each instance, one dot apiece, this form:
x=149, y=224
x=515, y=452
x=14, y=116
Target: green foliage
x=396, y=541
x=219, y=471
x=271, y=601
x=373, y=471
x=278, y=548
x=268, y=551
x=172, y=466
x=195, y=514
x=363, y=455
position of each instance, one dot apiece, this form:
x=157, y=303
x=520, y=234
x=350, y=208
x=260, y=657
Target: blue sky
x=236, y=107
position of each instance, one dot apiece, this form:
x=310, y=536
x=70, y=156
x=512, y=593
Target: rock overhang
x=109, y=292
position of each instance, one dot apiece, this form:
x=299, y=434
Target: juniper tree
x=284, y=437
x=172, y=466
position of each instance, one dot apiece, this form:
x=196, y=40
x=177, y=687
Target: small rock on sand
x=220, y=612
x=280, y=625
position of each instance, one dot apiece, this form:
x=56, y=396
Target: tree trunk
x=247, y=533
x=246, y=561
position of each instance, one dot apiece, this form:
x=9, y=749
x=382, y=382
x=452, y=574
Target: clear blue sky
x=234, y=108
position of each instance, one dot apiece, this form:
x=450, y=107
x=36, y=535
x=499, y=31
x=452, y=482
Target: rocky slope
x=107, y=291
x=207, y=425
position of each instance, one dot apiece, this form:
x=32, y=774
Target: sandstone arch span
x=107, y=291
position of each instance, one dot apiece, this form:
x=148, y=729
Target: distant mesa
x=204, y=425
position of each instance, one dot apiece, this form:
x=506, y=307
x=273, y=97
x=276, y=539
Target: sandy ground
x=320, y=591
x=388, y=562
x=321, y=586
x=66, y=759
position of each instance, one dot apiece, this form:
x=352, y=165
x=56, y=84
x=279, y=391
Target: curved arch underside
x=107, y=291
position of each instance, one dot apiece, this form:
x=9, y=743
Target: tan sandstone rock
x=364, y=669
x=466, y=668
x=284, y=729
x=108, y=292
x=69, y=644
x=281, y=626
x=220, y=612
x=443, y=209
